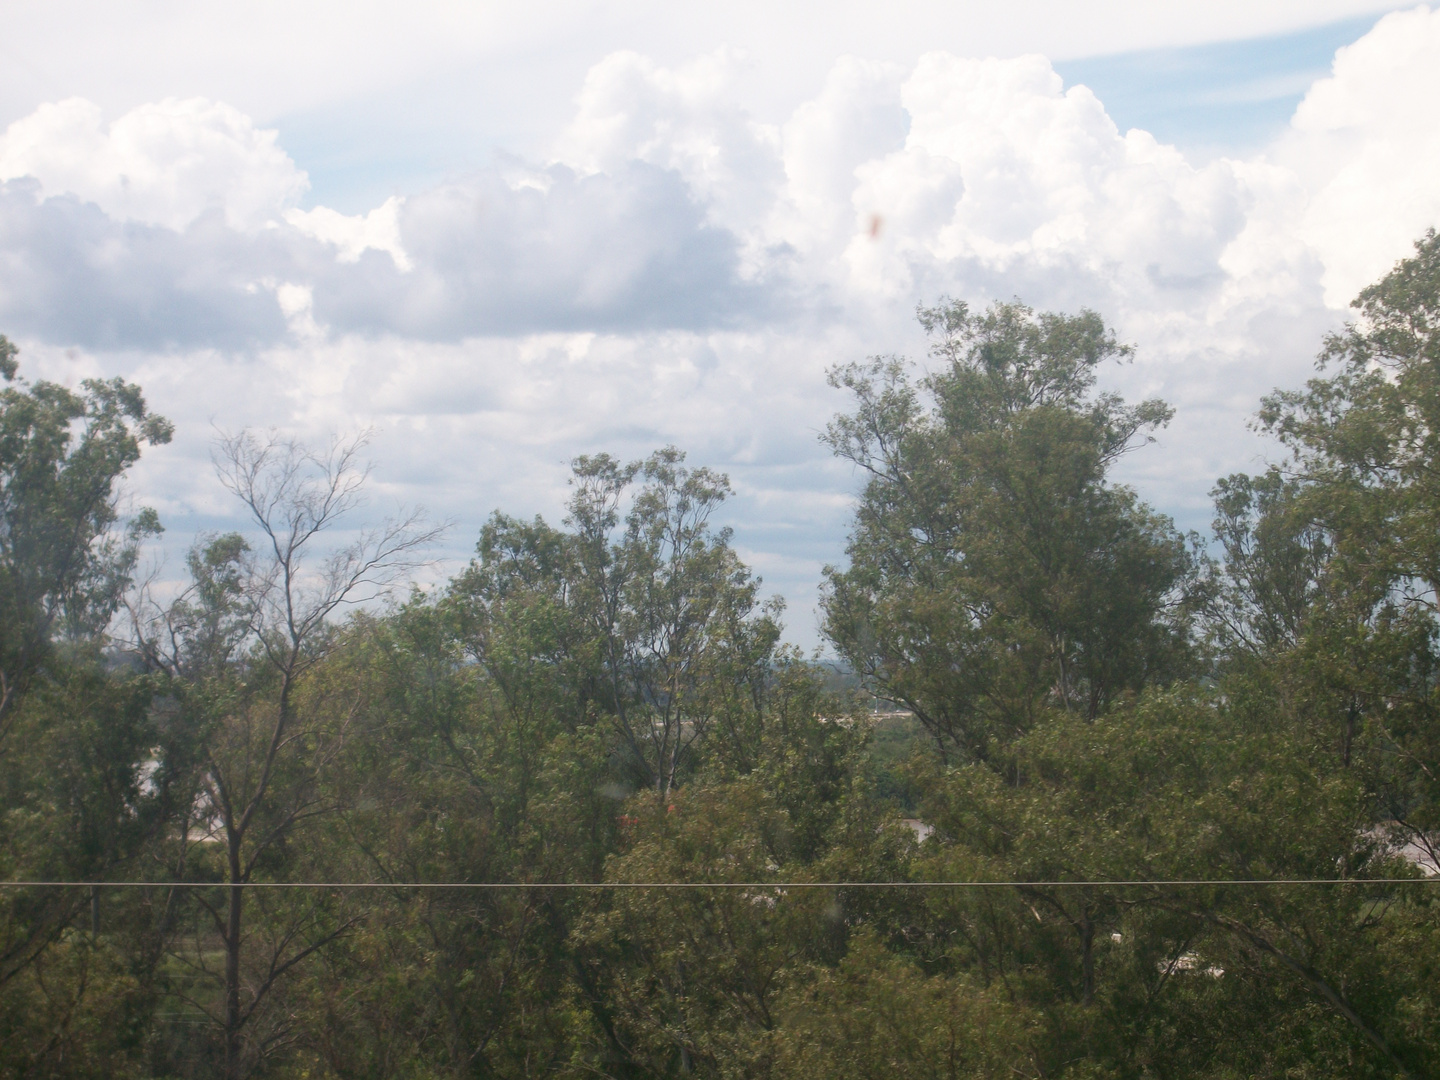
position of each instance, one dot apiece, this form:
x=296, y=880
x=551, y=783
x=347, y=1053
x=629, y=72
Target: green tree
x=876, y=1016
x=995, y=572
x=1274, y=556
x=80, y=803
x=63, y=568
x=454, y=775
x=1186, y=785
x=240, y=646
x=76, y=733
x=693, y=980
x=653, y=619
x=1364, y=448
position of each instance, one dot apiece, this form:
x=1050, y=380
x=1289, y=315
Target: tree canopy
x=995, y=572
x=1076, y=796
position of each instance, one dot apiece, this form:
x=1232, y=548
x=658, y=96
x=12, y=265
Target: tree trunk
x=233, y=1069
x=1347, y=736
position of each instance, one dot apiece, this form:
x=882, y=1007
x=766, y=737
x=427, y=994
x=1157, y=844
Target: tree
x=995, y=572
x=63, y=569
x=455, y=775
x=1188, y=784
x=1365, y=466
x=659, y=623
x=74, y=735
x=77, y=966
x=876, y=1014
x=1274, y=559
x=240, y=643
x=604, y=703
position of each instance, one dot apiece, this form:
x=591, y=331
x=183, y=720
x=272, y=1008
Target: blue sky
x=501, y=236
x=1223, y=97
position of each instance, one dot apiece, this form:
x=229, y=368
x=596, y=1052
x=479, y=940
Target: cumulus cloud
x=857, y=117
x=666, y=205
x=1367, y=144
x=527, y=250
x=161, y=164
x=70, y=273
x=685, y=120
x=173, y=224
x=354, y=234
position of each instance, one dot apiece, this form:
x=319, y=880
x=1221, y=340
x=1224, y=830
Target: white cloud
x=355, y=234
x=1367, y=142
x=71, y=274
x=1007, y=179
x=685, y=119
x=667, y=204
x=156, y=228
x=549, y=250
x=161, y=164
x=857, y=117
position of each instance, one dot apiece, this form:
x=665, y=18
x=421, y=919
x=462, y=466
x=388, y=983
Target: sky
x=499, y=236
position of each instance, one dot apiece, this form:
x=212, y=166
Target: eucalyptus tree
x=1273, y=560
x=996, y=572
x=1184, y=785
x=63, y=566
x=74, y=734
x=656, y=622
x=240, y=644
x=564, y=669
x=1364, y=437
x=676, y=613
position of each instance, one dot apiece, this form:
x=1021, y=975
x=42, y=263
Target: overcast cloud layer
x=671, y=267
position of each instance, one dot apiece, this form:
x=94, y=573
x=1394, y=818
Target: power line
x=495, y=886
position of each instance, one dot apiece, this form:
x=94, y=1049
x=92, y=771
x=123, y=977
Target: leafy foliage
x=62, y=570
x=1106, y=738
x=995, y=574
